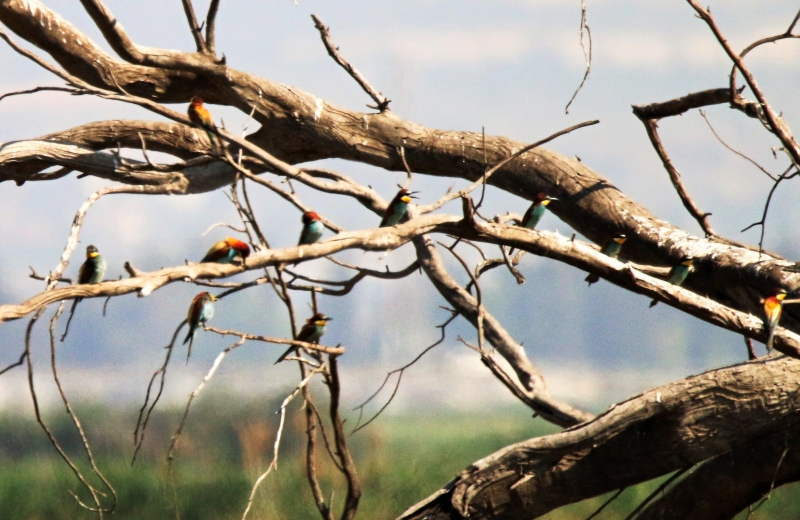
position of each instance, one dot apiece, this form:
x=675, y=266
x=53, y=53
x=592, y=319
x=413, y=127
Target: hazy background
x=509, y=66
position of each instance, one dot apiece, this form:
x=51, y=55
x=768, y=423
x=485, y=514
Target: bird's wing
x=217, y=251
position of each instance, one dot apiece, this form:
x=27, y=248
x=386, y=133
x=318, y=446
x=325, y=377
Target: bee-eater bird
x=310, y=333
x=398, y=208
x=201, y=117
x=91, y=271
x=612, y=249
x=773, y=308
x=225, y=251
x=200, y=311
x=312, y=228
x=678, y=274
x=534, y=213
x=94, y=268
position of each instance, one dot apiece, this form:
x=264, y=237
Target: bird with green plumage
x=398, y=208
x=678, y=274
x=535, y=212
x=91, y=271
x=312, y=228
x=612, y=249
x=310, y=333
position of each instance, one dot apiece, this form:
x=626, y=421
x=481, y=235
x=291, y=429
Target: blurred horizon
x=509, y=67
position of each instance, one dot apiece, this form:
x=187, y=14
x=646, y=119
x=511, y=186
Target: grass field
x=225, y=447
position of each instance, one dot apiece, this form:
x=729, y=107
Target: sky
x=509, y=66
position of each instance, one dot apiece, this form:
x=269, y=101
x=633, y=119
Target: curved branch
x=379, y=239
x=463, y=302
x=728, y=483
x=652, y=434
x=297, y=126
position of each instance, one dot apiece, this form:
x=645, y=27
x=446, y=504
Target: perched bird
x=200, y=311
x=312, y=228
x=773, y=308
x=612, y=249
x=534, y=213
x=201, y=117
x=310, y=333
x=92, y=271
x=225, y=251
x=678, y=274
x=398, y=208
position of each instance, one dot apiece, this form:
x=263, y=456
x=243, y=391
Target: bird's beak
x=412, y=193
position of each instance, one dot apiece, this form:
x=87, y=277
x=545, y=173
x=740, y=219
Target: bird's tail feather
x=286, y=354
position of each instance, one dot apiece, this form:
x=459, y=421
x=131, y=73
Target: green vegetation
x=226, y=445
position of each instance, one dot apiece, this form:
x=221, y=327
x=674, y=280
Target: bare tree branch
x=572, y=465
x=587, y=55
x=702, y=218
x=382, y=104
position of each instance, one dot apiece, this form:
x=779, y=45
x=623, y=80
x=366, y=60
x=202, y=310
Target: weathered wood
x=655, y=433
x=717, y=491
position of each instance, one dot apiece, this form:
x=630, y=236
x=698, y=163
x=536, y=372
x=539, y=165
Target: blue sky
x=509, y=66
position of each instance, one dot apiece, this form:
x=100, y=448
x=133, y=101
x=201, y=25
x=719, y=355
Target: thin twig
x=763, y=222
x=606, y=503
x=19, y=362
x=485, y=178
x=774, y=121
x=176, y=436
x=85, y=441
x=768, y=495
x=346, y=463
x=70, y=90
x=751, y=353
x=740, y=154
x=277, y=444
x=141, y=422
x=587, y=56
x=400, y=371
x=333, y=52
x=658, y=490
x=280, y=341
x=409, y=175
x=197, y=32
x=651, y=126
x=211, y=24
x=37, y=412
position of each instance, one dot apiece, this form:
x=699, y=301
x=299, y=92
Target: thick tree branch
x=725, y=485
x=652, y=434
x=297, y=126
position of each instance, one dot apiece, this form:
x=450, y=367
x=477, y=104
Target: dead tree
x=742, y=413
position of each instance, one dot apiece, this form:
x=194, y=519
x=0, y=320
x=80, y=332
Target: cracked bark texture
x=655, y=433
